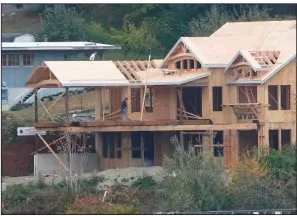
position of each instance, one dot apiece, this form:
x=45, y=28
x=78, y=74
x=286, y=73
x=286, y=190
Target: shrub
x=9, y=132
x=282, y=164
x=252, y=187
x=94, y=205
x=192, y=182
x=35, y=199
x=144, y=182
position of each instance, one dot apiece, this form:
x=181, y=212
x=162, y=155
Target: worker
x=93, y=56
x=124, y=109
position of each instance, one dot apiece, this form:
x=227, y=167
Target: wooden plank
x=36, y=104
x=52, y=143
x=132, y=71
x=124, y=71
x=67, y=105
x=218, y=127
x=53, y=104
x=49, y=114
x=141, y=65
x=56, y=156
x=135, y=66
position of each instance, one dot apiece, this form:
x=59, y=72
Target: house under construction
x=226, y=93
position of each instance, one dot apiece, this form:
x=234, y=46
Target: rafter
x=141, y=65
x=124, y=71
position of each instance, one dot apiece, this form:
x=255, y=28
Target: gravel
x=125, y=176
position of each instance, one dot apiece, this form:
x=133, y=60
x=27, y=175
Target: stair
x=28, y=96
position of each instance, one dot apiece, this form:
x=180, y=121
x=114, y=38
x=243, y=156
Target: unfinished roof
x=79, y=45
x=103, y=73
x=79, y=73
x=258, y=28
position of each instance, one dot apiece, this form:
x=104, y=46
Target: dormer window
x=192, y=64
x=188, y=64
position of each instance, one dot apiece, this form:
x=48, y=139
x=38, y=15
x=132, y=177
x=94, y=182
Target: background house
x=20, y=58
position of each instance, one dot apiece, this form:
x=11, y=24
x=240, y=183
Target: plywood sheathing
x=79, y=73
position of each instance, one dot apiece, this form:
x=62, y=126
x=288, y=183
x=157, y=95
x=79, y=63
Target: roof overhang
x=7, y=46
x=177, y=83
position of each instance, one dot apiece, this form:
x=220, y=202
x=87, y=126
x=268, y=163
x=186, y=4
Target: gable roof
x=248, y=57
x=261, y=80
x=221, y=47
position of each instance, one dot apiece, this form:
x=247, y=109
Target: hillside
x=83, y=101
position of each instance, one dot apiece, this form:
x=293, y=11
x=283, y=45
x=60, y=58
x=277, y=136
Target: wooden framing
x=170, y=114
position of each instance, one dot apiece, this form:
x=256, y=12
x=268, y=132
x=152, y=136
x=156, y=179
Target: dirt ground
x=124, y=176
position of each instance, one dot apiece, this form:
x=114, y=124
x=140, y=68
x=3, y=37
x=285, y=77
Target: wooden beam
x=124, y=70
x=135, y=66
x=36, y=104
x=56, y=156
x=52, y=143
x=67, y=105
x=49, y=114
x=44, y=83
x=53, y=104
x=183, y=55
x=141, y=65
x=132, y=71
x=215, y=127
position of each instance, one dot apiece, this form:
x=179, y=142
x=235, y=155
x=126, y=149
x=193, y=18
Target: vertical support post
x=98, y=104
x=279, y=139
x=36, y=104
x=181, y=138
x=67, y=104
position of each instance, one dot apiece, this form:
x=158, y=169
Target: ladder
x=251, y=99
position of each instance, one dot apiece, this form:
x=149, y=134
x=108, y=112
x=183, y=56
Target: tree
x=62, y=24
x=133, y=38
x=205, y=25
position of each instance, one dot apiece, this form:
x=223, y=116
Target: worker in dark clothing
x=124, y=109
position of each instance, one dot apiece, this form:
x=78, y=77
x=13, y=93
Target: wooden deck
x=160, y=125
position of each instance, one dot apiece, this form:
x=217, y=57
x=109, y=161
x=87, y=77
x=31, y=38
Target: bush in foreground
x=192, y=182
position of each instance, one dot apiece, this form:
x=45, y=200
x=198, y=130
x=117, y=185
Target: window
x=4, y=95
x=28, y=59
x=272, y=97
x=218, y=140
x=178, y=65
x=273, y=139
x=119, y=145
x=13, y=59
x=285, y=97
x=136, y=144
x=112, y=145
x=185, y=64
x=192, y=64
x=4, y=60
x=135, y=100
x=217, y=98
x=286, y=137
x=148, y=103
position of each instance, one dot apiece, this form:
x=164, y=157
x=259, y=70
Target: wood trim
x=221, y=127
x=52, y=82
x=182, y=55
